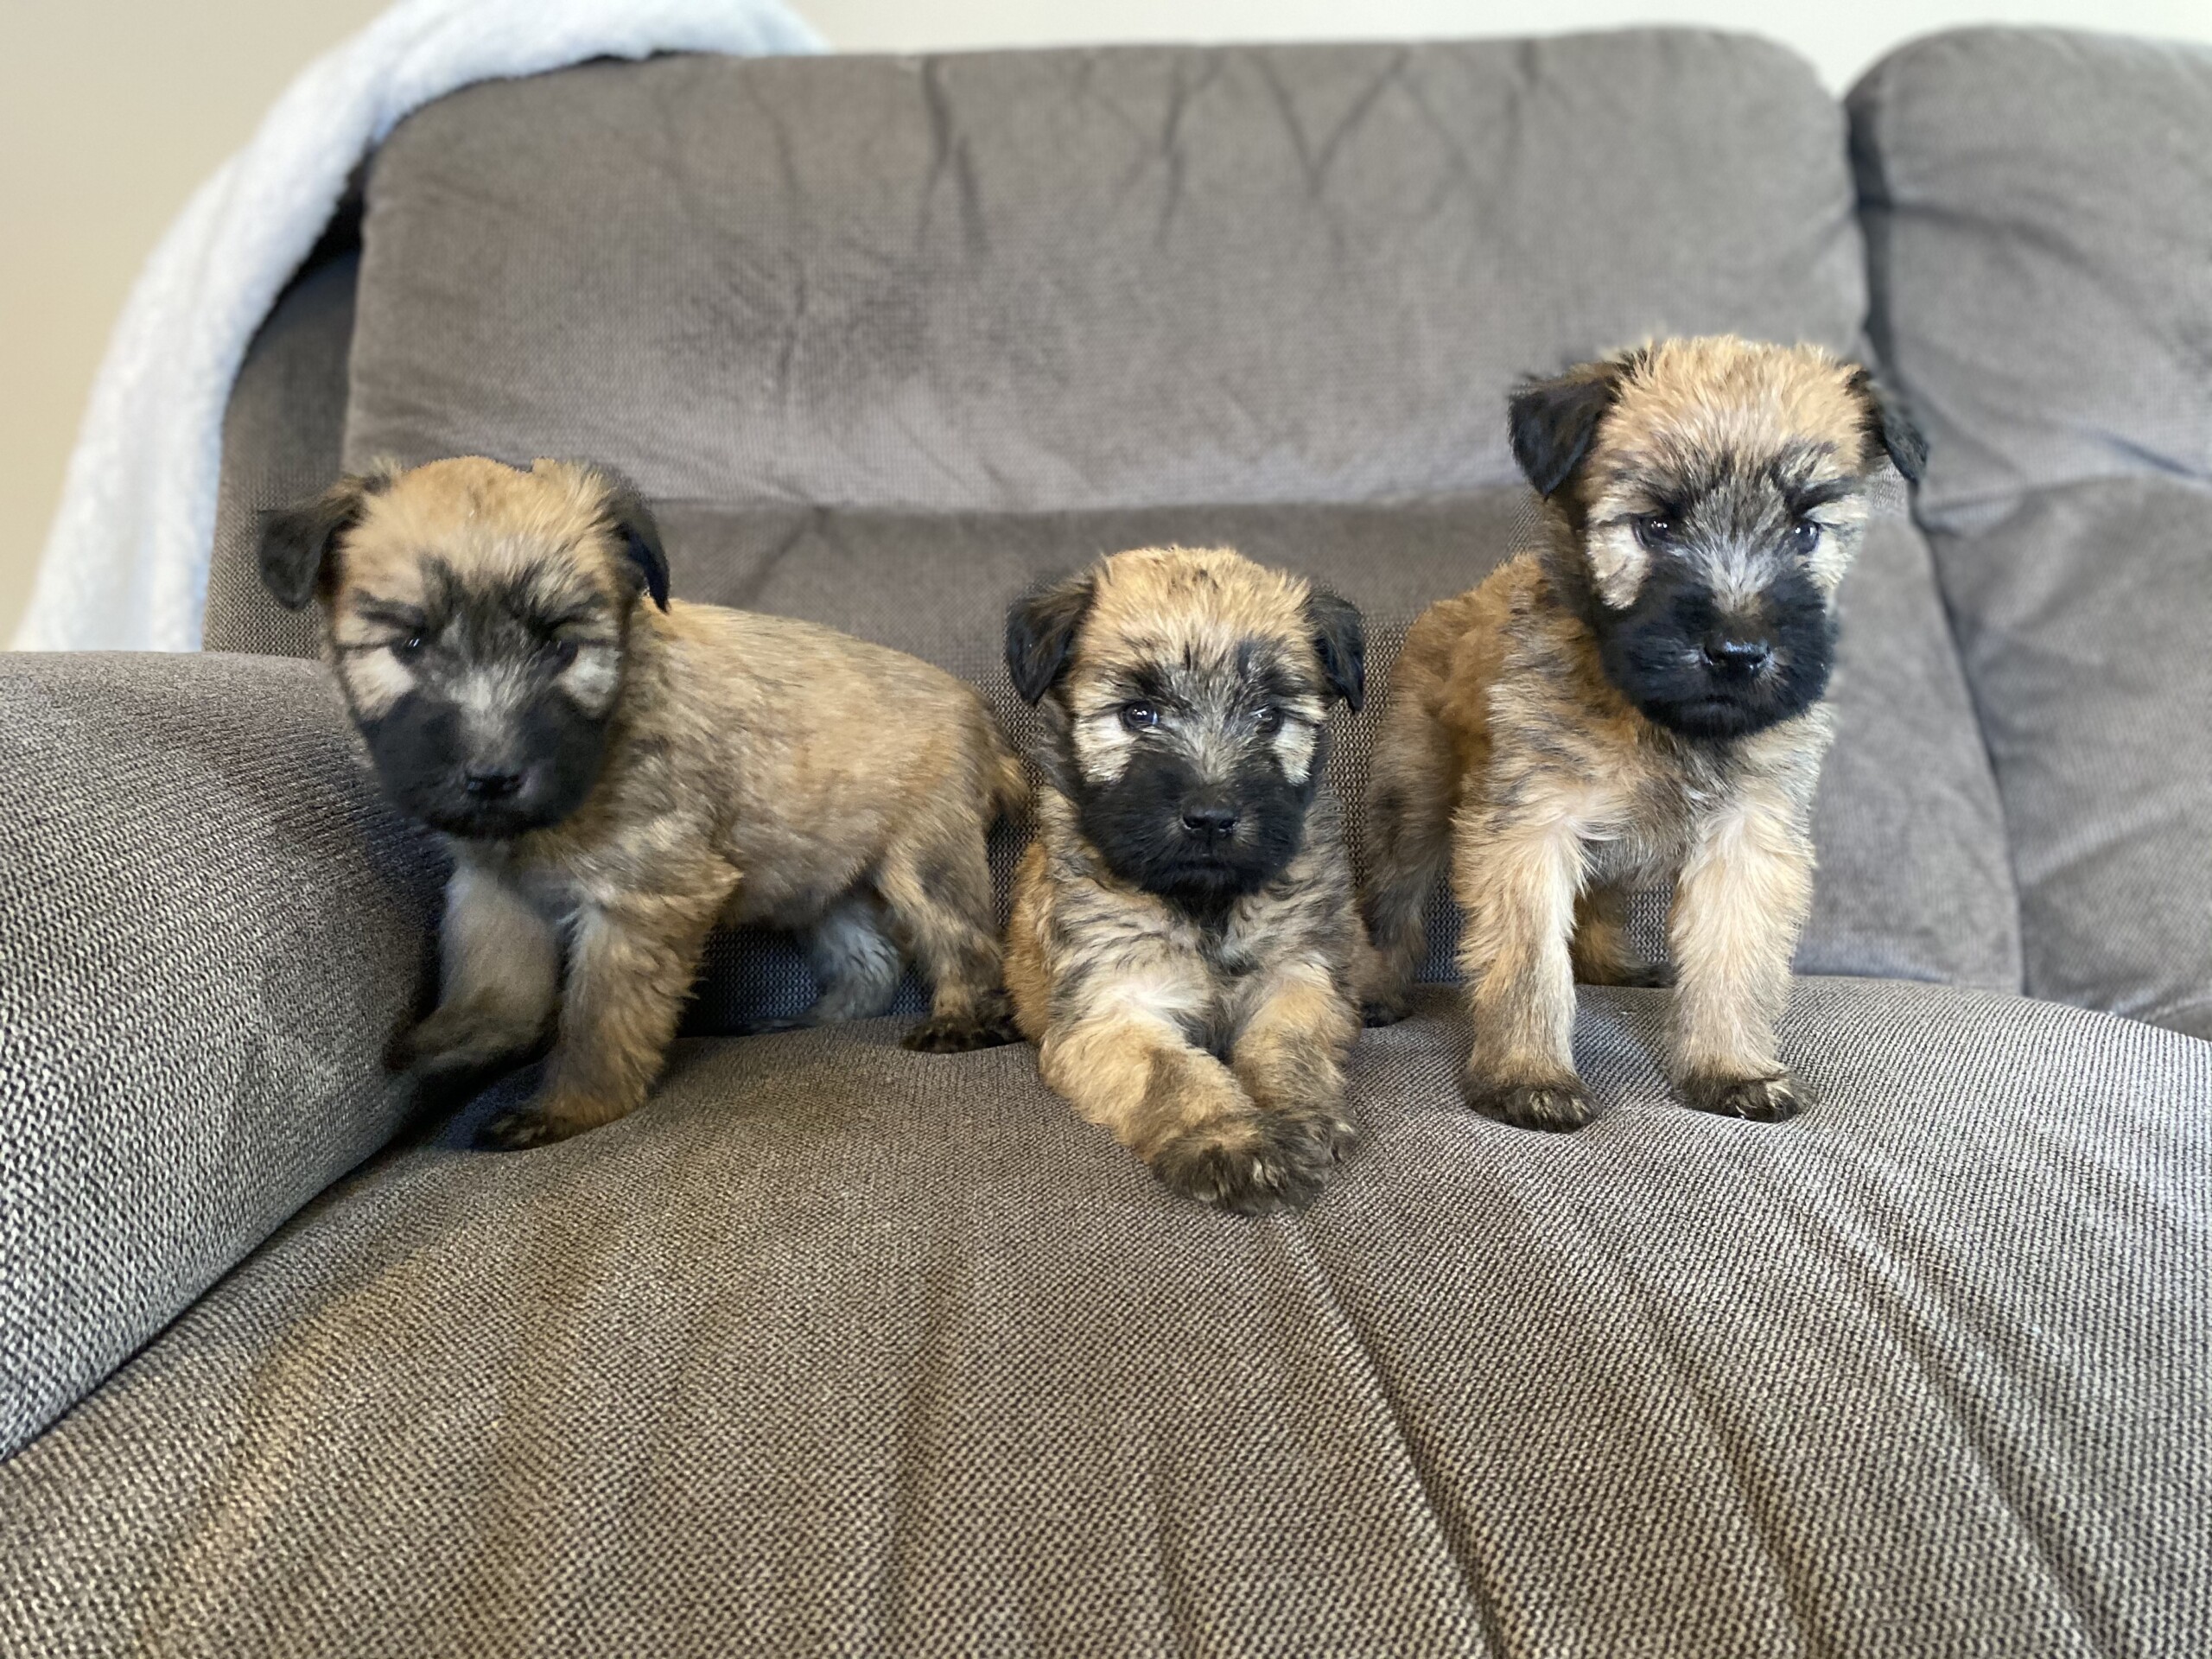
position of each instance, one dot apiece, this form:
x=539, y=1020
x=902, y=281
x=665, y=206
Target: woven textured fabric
x=2039, y=219
x=2038, y=211
x=1913, y=882
x=1070, y=279
x=280, y=438
x=2082, y=618
x=207, y=930
x=833, y=1349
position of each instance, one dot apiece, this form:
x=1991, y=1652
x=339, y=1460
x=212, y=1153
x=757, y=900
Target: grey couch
x=838, y=1349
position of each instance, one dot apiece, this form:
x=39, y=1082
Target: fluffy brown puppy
x=614, y=773
x=1185, y=928
x=1639, y=701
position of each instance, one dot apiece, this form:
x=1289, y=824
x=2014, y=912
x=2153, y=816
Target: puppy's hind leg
x=857, y=962
x=1603, y=953
x=940, y=898
x=1409, y=837
x=500, y=970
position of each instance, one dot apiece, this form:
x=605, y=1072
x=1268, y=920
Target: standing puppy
x=1186, y=927
x=1640, y=701
x=614, y=773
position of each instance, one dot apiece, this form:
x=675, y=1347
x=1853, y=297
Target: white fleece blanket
x=125, y=565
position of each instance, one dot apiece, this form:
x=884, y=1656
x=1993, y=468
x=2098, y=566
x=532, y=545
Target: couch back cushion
x=1084, y=278
x=2040, y=217
x=887, y=339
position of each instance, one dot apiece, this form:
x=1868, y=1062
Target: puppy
x=1185, y=930
x=615, y=772
x=1639, y=701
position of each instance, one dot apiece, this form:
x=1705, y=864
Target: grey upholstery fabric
x=2038, y=207
x=2040, y=217
x=2084, y=616
x=1086, y=279
x=281, y=434
x=207, y=929
x=835, y=1349
x=1914, y=883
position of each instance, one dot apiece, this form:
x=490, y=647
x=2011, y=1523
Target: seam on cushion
x=1988, y=755
x=1299, y=1252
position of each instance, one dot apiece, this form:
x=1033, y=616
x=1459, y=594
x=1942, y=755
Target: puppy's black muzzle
x=1194, y=840
x=1691, y=667
x=536, y=773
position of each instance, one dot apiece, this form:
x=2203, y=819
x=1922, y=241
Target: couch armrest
x=209, y=926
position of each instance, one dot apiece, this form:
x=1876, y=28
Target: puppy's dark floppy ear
x=630, y=519
x=1341, y=639
x=1552, y=422
x=1040, y=630
x=1885, y=422
x=296, y=540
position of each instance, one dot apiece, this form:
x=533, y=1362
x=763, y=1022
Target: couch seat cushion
x=834, y=1348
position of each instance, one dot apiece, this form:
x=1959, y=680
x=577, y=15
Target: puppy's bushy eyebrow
x=390, y=613
x=1801, y=498
x=1145, y=683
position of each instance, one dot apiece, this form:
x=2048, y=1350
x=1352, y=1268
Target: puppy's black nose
x=1209, y=818
x=492, y=785
x=1737, y=659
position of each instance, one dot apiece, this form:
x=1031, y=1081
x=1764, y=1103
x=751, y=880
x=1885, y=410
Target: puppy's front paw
x=1257, y=1164
x=1557, y=1103
x=988, y=1025
x=1761, y=1100
x=1384, y=1010
x=526, y=1127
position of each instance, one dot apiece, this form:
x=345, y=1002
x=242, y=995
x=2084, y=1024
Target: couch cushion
x=2039, y=218
x=1914, y=879
x=1081, y=278
x=208, y=929
x=283, y=432
x=834, y=1348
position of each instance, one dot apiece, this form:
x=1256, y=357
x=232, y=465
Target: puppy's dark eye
x=1655, y=531
x=1804, y=536
x=1269, y=721
x=560, y=652
x=1139, y=716
x=411, y=646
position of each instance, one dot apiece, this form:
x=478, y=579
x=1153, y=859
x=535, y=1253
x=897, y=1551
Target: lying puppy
x=614, y=776
x=1640, y=701
x=1184, y=929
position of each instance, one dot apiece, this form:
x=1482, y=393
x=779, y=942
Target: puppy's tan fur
x=1507, y=747
x=758, y=769
x=1212, y=1046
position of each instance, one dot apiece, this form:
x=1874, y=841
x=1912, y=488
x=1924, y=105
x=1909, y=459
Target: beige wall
x=111, y=110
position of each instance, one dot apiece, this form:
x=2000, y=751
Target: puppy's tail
x=1005, y=782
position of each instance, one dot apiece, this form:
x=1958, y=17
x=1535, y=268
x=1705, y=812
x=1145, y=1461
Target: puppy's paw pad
x=961, y=1033
x=518, y=1131
x=1557, y=1106
x=1760, y=1100
x=1244, y=1173
x=1312, y=1140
